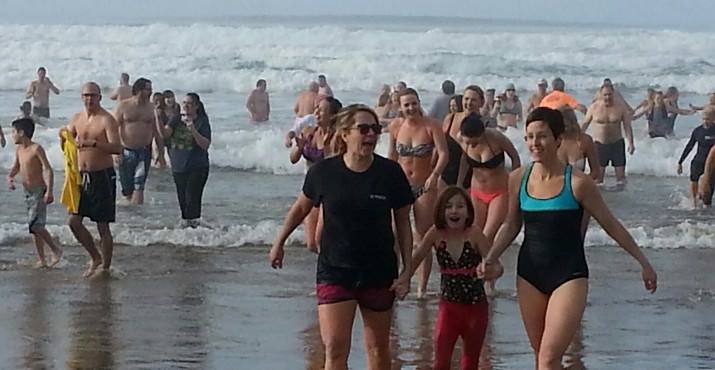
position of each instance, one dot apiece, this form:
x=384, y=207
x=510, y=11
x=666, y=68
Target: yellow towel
x=70, y=190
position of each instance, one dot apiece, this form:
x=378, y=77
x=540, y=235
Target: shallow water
x=224, y=308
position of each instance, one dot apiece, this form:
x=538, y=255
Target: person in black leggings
x=188, y=137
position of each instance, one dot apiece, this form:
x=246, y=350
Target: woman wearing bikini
x=484, y=150
x=414, y=140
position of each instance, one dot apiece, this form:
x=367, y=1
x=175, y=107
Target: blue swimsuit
x=552, y=252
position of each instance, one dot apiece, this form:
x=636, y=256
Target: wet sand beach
x=175, y=307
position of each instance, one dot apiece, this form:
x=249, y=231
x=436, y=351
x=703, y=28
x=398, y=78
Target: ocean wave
x=208, y=57
x=262, y=150
x=689, y=234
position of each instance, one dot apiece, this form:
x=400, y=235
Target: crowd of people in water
x=445, y=166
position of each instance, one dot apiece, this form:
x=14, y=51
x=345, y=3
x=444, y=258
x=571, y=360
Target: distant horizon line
x=461, y=18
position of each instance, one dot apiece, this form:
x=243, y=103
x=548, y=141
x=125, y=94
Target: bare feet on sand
x=93, y=266
x=40, y=264
x=56, y=258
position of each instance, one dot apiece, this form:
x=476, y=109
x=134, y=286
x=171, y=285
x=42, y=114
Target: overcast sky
x=654, y=13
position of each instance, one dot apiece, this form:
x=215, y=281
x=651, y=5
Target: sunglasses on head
x=364, y=128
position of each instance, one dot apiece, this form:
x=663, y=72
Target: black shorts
x=97, y=199
x=41, y=111
x=614, y=153
x=697, y=169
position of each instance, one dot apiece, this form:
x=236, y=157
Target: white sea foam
x=686, y=234
x=208, y=57
x=262, y=150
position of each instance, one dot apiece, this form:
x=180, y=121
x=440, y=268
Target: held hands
x=275, y=257
x=490, y=270
x=650, y=278
x=401, y=285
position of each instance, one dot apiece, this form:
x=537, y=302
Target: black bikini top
x=491, y=163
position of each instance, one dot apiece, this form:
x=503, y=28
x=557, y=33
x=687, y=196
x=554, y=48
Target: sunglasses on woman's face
x=364, y=128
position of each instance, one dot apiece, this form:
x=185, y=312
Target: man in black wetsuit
x=704, y=136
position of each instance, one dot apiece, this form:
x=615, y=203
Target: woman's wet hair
x=458, y=100
x=472, y=126
x=551, y=117
x=200, y=109
x=571, y=126
x=168, y=93
x=345, y=120
x=440, y=220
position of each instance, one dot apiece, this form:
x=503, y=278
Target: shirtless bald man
x=306, y=101
x=39, y=91
x=97, y=135
x=123, y=91
x=137, y=129
x=609, y=119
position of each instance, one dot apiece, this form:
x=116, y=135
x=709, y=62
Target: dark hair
x=440, y=221
x=26, y=125
x=552, y=117
x=472, y=125
x=200, y=109
x=159, y=95
x=457, y=99
x=139, y=85
x=26, y=105
x=448, y=87
x=334, y=104
x=260, y=82
x=321, y=76
x=125, y=76
x=558, y=84
x=42, y=69
x=166, y=93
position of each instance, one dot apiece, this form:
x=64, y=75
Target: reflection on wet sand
x=37, y=326
x=93, y=328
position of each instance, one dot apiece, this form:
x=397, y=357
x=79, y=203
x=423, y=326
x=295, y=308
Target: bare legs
x=551, y=321
x=336, y=323
x=41, y=237
x=424, y=210
x=85, y=238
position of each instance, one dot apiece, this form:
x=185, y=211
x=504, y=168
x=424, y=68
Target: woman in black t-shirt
x=360, y=192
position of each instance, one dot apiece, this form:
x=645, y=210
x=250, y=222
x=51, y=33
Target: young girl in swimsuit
x=314, y=144
x=458, y=246
x=549, y=198
x=484, y=150
x=414, y=139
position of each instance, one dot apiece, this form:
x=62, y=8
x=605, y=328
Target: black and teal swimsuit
x=552, y=252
